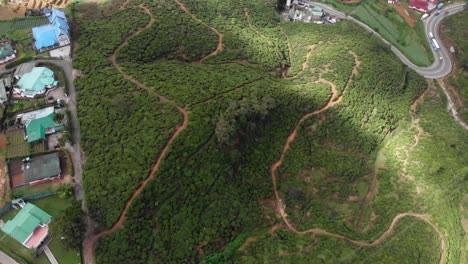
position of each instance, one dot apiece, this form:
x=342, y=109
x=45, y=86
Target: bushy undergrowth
x=207, y=193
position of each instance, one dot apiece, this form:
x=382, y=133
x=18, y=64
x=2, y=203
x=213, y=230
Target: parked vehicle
x=437, y=13
x=424, y=16
x=431, y=35
x=439, y=6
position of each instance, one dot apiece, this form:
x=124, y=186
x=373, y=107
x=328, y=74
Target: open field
x=297, y=139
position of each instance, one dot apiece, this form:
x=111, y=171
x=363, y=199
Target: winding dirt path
x=417, y=137
x=89, y=244
x=124, y=4
x=281, y=206
x=219, y=48
x=305, y=64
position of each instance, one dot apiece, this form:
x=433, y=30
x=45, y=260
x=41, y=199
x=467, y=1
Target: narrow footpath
x=281, y=206
x=88, y=250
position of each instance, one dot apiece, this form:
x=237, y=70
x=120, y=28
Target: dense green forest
x=214, y=190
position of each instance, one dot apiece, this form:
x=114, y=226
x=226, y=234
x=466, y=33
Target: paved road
x=5, y=259
x=441, y=67
x=74, y=149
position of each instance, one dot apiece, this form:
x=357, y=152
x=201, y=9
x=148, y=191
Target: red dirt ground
x=403, y=12
x=16, y=173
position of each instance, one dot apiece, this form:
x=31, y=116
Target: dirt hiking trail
x=220, y=36
x=281, y=206
x=89, y=242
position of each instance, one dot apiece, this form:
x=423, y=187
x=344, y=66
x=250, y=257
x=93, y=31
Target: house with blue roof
x=52, y=35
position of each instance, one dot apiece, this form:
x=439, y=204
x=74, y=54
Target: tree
x=69, y=226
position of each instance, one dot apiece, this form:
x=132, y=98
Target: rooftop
x=38, y=121
x=46, y=35
x=23, y=225
x=42, y=167
x=6, y=50
x=35, y=81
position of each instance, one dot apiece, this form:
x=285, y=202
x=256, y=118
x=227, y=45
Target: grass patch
x=63, y=255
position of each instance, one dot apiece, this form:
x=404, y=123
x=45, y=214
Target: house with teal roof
x=36, y=82
x=29, y=227
x=39, y=123
x=7, y=52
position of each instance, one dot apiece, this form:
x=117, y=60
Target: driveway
x=74, y=149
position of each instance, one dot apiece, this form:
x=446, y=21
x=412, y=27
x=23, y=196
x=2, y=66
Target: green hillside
x=208, y=121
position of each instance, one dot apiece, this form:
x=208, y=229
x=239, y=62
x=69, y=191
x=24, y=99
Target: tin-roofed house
x=34, y=83
x=7, y=52
x=52, y=35
x=39, y=123
x=30, y=226
x=40, y=169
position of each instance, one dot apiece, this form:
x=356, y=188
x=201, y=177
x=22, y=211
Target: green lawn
x=30, y=190
x=53, y=205
x=63, y=255
x=5, y=26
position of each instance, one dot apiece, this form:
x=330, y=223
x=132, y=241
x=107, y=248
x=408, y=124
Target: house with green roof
x=29, y=227
x=7, y=52
x=39, y=123
x=36, y=82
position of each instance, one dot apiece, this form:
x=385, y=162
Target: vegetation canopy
x=260, y=140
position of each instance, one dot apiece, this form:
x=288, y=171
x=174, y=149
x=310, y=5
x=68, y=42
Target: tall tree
x=69, y=226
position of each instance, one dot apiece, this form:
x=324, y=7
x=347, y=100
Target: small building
x=30, y=226
x=5, y=86
x=39, y=123
x=43, y=168
x=52, y=35
x=7, y=52
x=35, y=83
x=423, y=5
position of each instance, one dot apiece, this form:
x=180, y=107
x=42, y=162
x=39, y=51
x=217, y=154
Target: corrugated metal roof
x=34, y=82
x=25, y=222
x=42, y=167
x=6, y=50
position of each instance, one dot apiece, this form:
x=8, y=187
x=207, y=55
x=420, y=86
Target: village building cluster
x=304, y=11
x=33, y=130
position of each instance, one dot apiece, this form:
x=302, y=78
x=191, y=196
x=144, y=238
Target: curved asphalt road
x=441, y=67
